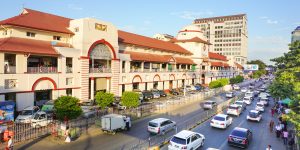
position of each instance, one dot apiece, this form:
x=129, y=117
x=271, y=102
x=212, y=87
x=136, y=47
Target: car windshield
x=26, y=112
x=239, y=133
x=239, y=103
x=208, y=103
x=219, y=118
x=260, y=105
x=232, y=107
x=253, y=114
x=178, y=140
x=246, y=99
x=36, y=116
x=152, y=124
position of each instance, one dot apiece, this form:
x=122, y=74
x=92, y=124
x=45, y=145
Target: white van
x=161, y=126
x=234, y=109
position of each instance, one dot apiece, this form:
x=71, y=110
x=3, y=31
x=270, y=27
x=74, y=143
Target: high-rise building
x=296, y=34
x=228, y=36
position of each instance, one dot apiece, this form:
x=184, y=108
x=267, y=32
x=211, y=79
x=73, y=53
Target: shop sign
x=100, y=27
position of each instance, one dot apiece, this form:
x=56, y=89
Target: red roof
x=180, y=60
x=216, y=64
x=212, y=55
x=39, y=20
x=130, y=38
x=239, y=66
x=22, y=45
x=148, y=57
x=195, y=39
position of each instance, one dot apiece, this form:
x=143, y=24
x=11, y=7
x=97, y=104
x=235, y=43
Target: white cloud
x=192, y=15
x=268, y=20
x=74, y=7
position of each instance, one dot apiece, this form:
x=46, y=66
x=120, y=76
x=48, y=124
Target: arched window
x=100, y=59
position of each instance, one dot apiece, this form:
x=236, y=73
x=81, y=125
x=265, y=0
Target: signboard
x=7, y=109
x=100, y=27
x=251, y=67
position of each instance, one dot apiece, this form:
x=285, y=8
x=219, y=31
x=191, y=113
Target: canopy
x=286, y=101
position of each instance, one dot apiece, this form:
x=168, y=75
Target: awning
x=286, y=101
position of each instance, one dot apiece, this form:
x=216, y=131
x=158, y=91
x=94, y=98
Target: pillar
x=92, y=88
x=59, y=65
x=1, y=63
x=142, y=67
x=108, y=85
x=160, y=67
x=21, y=63
x=150, y=66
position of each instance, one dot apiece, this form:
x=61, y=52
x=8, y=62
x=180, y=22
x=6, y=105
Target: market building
x=44, y=56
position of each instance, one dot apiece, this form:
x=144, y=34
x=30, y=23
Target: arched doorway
x=100, y=59
x=42, y=89
x=156, y=79
x=136, y=82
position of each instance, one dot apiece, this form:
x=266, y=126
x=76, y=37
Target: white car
x=236, y=87
x=241, y=103
x=244, y=90
x=27, y=114
x=263, y=95
x=229, y=95
x=260, y=107
x=247, y=100
x=209, y=104
x=221, y=121
x=254, y=115
x=265, y=101
x=249, y=94
x=186, y=140
x=40, y=119
x=161, y=126
x=234, y=109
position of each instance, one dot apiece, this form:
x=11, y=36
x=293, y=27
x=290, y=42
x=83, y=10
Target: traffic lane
x=217, y=138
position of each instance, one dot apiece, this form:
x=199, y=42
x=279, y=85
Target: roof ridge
x=37, y=11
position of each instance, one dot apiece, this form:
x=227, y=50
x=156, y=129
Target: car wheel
x=202, y=143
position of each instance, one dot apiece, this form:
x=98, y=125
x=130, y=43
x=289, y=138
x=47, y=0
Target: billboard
x=251, y=67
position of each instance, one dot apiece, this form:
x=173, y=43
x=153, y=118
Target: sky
x=270, y=22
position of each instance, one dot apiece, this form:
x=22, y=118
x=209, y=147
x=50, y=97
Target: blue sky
x=270, y=22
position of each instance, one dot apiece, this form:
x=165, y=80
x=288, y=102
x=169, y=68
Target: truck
x=114, y=122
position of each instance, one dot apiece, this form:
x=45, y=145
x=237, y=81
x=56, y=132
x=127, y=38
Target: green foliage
x=104, y=99
x=218, y=83
x=237, y=79
x=287, y=83
x=130, y=99
x=67, y=106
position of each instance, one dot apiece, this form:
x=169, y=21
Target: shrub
x=67, y=107
x=224, y=81
x=130, y=99
x=215, y=84
x=104, y=99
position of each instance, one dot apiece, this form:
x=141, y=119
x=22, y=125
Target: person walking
x=285, y=136
x=67, y=134
x=128, y=123
x=278, y=130
x=269, y=147
x=271, y=125
x=10, y=144
x=272, y=111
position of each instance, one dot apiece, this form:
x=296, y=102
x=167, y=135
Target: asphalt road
x=217, y=138
x=137, y=132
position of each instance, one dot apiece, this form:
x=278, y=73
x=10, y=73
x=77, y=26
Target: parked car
x=147, y=95
x=160, y=126
x=27, y=114
x=240, y=137
x=40, y=119
x=221, y=121
x=174, y=92
x=209, y=104
x=141, y=97
x=241, y=103
x=247, y=100
x=234, y=109
x=198, y=87
x=260, y=107
x=186, y=140
x=162, y=93
x=254, y=115
x=88, y=111
x=244, y=90
x=48, y=107
x=236, y=87
x=229, y=95
x=155, y=94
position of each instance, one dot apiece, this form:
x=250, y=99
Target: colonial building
x=44, y=56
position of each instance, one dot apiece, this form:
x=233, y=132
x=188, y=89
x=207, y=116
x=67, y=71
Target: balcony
x=41, y=69
x=69, y=69
x=100, y=70
x=9, y=69
x=136, y=70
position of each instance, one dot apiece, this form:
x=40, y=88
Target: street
x=137, y=132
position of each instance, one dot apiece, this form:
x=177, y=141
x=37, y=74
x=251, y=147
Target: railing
x=10, y=70
x=146, y=70
x=42, y=69
x=69, y=69
x=100, y=70
x=136, y=70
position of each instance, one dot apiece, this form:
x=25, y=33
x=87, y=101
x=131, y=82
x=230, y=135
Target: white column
x=1, y=64
x=142, y=67
x=160, y=67
x=127, y=66
x=21, y=63
x=92, y=88
x=150, y=66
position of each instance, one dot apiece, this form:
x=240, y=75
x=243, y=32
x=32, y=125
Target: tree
x=67, y=107
x=218, y=83
x=237, y=79
x=287, y=82
x=104, y=99
x=261, y=68
x=130, y=99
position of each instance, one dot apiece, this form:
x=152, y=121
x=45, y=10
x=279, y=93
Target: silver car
x=161, y=126
x=209, y=104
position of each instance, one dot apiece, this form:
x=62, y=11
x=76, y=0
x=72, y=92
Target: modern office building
x=228, y=36
x=296, y=34
x=44, y=56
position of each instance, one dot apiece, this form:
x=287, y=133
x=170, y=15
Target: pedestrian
x=292, y=141
x=282, y=126
x=10, y=144
x=278, y=130
x=272, y=112
x=67, y=134
x=127, y=119
x=269, y=147
x=285, y=136
x=271, y=125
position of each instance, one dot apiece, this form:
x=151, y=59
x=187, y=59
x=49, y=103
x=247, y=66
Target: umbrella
x=286, y=101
